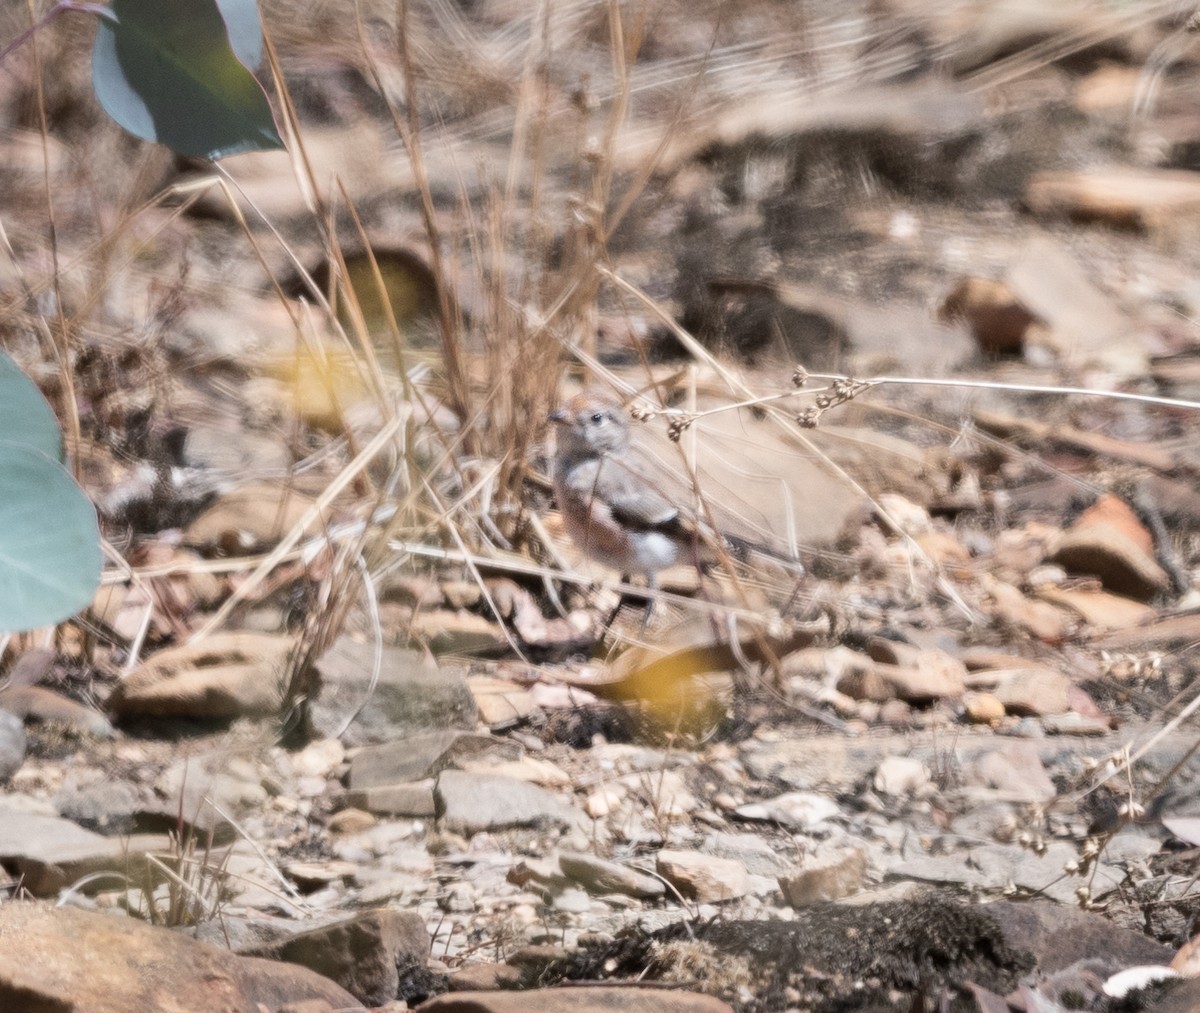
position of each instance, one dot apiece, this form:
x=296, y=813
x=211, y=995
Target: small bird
x=611, y=508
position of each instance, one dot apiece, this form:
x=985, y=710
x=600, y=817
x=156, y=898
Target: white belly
x=654, y=551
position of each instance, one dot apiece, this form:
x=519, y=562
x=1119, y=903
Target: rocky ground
x=349, y=724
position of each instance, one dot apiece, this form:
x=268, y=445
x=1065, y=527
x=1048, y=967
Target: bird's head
x=591, y=424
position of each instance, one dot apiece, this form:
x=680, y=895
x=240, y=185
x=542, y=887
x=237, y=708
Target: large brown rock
x=251, y=517
x=1153, y=200
x=1106, y=551
x=996, y=318
x=225, y=676
x=42, y=704
x=826, y=877
x=1035, y=690
x=704, y=878
x=65, y=960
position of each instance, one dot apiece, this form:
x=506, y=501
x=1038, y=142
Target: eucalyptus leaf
x=245, y=30
x=167, y=72
x=49, y=540
x=25, y=416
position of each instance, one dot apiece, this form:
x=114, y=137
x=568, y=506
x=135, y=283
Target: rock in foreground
x=128, y=965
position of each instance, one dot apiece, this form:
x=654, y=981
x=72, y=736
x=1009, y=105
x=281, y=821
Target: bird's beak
x=558, y=416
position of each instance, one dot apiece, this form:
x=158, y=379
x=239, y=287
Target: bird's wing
x=635, y=502
x=612, y=492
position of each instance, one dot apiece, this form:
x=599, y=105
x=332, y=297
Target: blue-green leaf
x=49, y=541
x=245, y=30
x=25, y=417
x=166, y=71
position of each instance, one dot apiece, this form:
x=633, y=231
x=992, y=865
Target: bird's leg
x=651, y=601
x=625, y=599
x=622, y=601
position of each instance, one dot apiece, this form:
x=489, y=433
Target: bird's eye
x=597, y=418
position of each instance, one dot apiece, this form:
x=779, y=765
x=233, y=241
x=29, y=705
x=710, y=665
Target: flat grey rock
x=756, y=854
x=808, y=764
x=24, y=834
x=365, y=952
x=12, y=744
x=422, y=755
x=414, y=798
x=996, y=867
x=1059, y=935
x=413, y=694
x=600, y=876
x=48, y=864
x=1183, y=997
x=470, y=803
x=106, y=806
